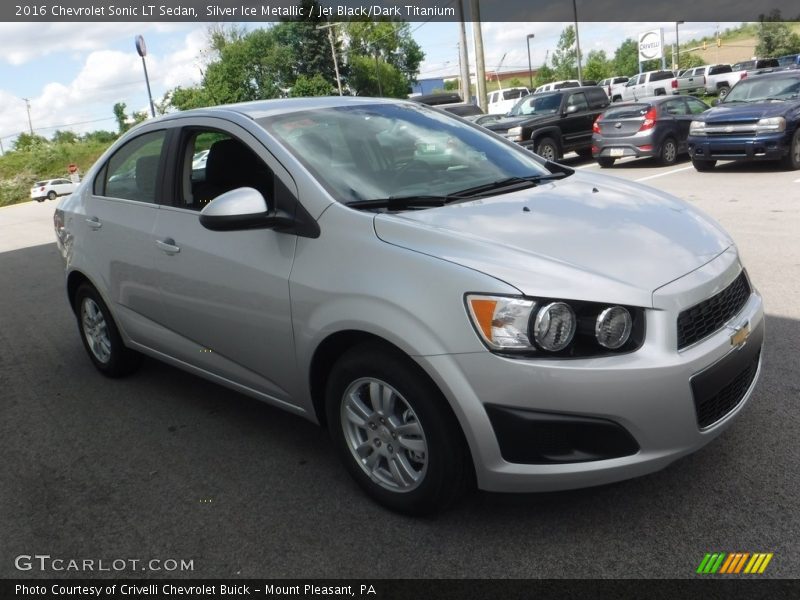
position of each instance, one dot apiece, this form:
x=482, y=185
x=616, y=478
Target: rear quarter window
x=720, y=69
x=661, y=75
x=597, y=98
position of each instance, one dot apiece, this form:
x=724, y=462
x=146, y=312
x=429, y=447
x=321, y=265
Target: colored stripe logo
x=734, y=563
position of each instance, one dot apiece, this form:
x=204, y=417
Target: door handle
x=94, y=223
x=168, y=246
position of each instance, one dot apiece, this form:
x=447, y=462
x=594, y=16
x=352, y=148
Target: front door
x=226, y=294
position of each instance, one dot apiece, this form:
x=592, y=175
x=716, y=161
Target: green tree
x=121, y=117
x=371, y=78
x=391, y=41
x=64, y=137
x=452, y=85
x=626, y=59
x=597, y=66
x=99, y=136
x=315, y=85
x=544, y=75
x=515, y=82
x=29, y=141
x=565, y=61
x=689, y=60
x=774, y=38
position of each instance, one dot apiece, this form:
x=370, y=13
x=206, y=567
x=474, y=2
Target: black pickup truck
x=554, y=123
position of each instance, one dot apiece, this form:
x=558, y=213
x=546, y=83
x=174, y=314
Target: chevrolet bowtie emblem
x=740, y=335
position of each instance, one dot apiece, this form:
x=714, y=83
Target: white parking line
x=665, y=173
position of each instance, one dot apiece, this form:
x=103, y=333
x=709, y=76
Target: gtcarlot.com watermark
x=47, y=563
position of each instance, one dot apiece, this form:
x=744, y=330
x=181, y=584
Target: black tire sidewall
x=788, y=161
x=52, y=195
x=445, y=475
x=122, y=360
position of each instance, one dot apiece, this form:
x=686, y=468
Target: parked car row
x=756, y=120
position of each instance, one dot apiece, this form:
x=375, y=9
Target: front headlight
x=502, y=321
x=771, y=125
x=514, y=134
x=697, y=128
x=552, y=328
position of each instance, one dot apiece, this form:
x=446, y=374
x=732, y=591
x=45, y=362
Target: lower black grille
x=711, y=408
x=701, y=320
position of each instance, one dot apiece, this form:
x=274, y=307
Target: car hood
x=747, y=112
x=584, y=238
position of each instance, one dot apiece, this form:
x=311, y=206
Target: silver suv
x=452, y=307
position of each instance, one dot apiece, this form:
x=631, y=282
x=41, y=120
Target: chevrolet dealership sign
x=651, y=45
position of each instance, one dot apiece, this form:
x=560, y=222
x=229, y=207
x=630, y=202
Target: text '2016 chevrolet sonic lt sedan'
x=451, y=306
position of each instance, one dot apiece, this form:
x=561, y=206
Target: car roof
x=265, y=108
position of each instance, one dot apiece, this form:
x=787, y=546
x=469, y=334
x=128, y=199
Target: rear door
x=117, y=232
x=576, y=121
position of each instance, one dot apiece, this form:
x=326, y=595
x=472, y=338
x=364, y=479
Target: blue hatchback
x=757, y=120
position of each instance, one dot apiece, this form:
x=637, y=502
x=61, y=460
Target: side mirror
x=239, y=209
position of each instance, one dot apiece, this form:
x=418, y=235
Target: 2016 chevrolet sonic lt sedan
x=454, y=308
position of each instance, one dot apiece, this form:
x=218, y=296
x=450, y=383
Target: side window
x=674, y=107
x=597, y=98
x=578, y=100
x=131, y=173
x=696, y=106
x=214, y=163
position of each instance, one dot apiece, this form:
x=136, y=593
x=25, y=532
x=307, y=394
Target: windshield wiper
x=508, y=184
x=400, y=202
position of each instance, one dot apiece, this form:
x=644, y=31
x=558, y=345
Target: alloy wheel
x=384, y=435
x=95, y=330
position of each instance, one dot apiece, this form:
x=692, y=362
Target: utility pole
x=480, y=65
x=577, y=41
x=28, y=106
x=466, y=87
x=329, y=27
x=677, y=47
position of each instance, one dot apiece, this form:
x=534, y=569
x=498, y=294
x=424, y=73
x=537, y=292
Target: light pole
x=530, y=69
x=577, y=40
x=28, y=106
x=329, y=27
x=141, y=48
x=677, y=47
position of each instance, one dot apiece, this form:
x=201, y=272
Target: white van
x=502, y=101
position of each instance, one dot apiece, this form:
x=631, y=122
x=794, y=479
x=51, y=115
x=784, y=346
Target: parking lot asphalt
x=163, y=465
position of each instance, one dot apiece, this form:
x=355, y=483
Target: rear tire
x=51, y=195
x=547, y=149
x=394, y=431
x=100, y=335
x=791, y=161
x=722, y=91
x=605, y=162
x=668, y=155
x=703, y=165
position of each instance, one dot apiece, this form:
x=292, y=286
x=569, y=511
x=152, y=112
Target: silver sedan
x=454, y=309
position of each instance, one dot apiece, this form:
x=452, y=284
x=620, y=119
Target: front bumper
x=648, y=393
x=762, y=147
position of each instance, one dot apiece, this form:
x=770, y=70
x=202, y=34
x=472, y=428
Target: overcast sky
x=73, y=73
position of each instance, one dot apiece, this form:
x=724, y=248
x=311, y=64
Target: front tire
x=547, y=149
x=703, y=165
x=791, y=161
x=100, y=335
x=395, y=432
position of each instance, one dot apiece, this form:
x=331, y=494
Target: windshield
x=764, y=88
x=539, y=104
x=371, y=152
